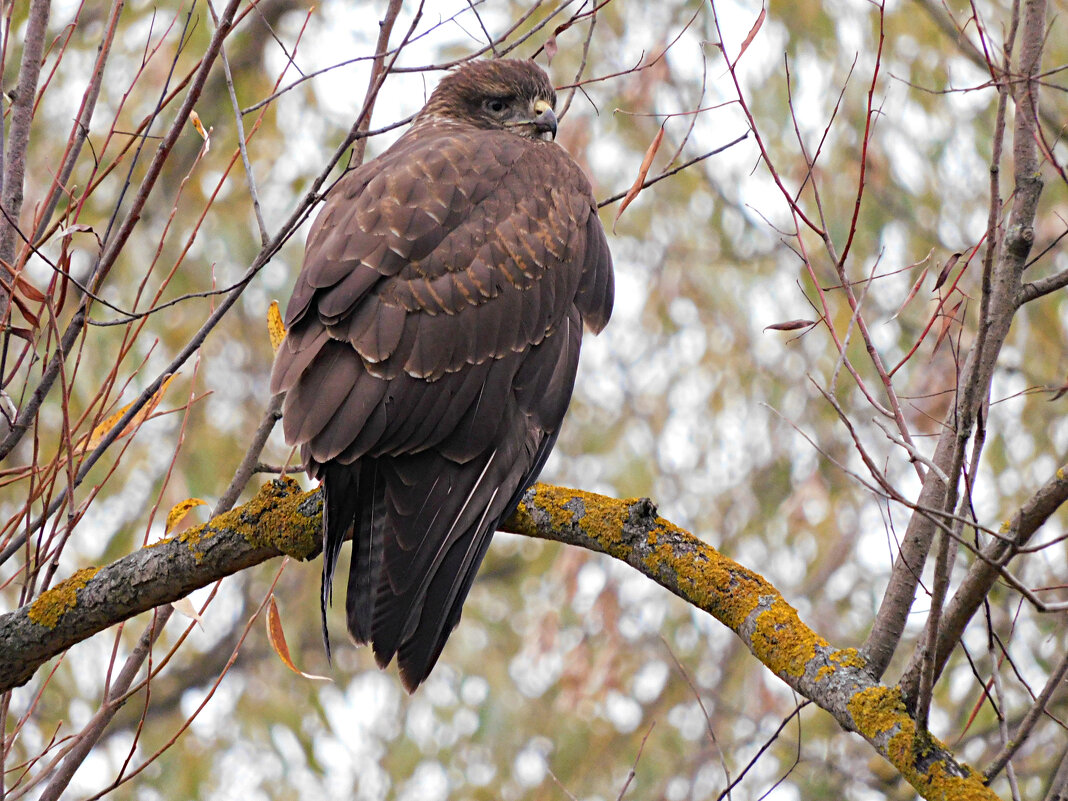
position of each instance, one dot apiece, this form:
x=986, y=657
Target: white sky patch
x=531, y=764
x=649, y=681
x=622, y=711
x=429, y=782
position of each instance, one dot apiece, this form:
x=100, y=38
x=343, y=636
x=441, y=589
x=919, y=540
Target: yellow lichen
x=549, y=500
x=269, y=520
x=602, y=519
x=878, y=711
x=847, y=657
x=705, y=577
x=192, y=537
x=782, y=642
x=52, y=604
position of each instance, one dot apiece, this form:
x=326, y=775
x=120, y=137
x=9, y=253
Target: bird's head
x=502, y=93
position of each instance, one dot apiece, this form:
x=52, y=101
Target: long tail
x=341, y=502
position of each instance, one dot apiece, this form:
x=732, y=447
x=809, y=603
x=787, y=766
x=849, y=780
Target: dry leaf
x=60, y=279
x=790, y=325
x=752, y=33
x=643, y=171
x=550, y=49
x=31, y=292
x=911, y=294
x=184, y=606
x=102, y=430
x=278, y=641
x=20, y=332
x=942, y=276
x=947, y=323
x=31, y=318
x=275, y=327
x=80, y=228
x=178, y=513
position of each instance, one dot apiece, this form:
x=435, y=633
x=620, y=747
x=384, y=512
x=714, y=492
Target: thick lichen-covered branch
x=835, y=679
x=279, y=520
x=283, y=520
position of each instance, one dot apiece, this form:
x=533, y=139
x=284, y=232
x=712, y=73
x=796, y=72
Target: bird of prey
x=433, y=340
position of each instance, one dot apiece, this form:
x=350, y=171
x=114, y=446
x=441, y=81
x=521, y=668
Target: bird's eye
x=495, y=105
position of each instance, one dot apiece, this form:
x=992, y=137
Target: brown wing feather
x=435, y=331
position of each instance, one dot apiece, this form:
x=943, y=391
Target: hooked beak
x=545, y=119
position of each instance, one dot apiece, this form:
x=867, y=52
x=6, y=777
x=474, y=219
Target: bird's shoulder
x=447, y=164
x=431, y=203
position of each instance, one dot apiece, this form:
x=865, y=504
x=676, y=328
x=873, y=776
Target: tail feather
x=413, y=562
x=341, y=490
x=439, y=612
x=366, y=565
x=442, y=607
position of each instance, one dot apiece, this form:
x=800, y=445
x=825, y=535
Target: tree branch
x=998, y=552
x=1034, y=714
x=974, y=386
x=114, y=244
x=281, y=519
x=13, y=155
x=1042, y=287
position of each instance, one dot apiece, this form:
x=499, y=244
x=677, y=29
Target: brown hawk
x=434, y=336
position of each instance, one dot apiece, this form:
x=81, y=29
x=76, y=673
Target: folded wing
x=433, y=342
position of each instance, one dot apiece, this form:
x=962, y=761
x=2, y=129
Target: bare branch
x=979, y=367
x=241, y=139
x=1058, y=786
x=80, y=130
x=1034, y=714
x=986, y=569
x=116, y=242
x=13, y=161
x=1043, y=286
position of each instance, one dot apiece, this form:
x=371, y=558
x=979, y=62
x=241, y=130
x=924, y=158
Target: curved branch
x=283, y=520
x=279, y=520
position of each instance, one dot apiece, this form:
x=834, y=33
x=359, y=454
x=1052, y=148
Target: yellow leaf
x=112, y=420
x=178, y=513
x=278, y=641
x=204, y=133
x=275, y=327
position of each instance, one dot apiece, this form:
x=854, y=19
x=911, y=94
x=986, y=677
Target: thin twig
x=634, y=767
x=1031, y=719
x=114, y=244
x=760, y=751
x=249, y=177
x=674, y=170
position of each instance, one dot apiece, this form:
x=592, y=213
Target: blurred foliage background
x=566, y=665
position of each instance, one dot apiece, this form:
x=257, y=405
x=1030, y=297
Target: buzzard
x=433, y=340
